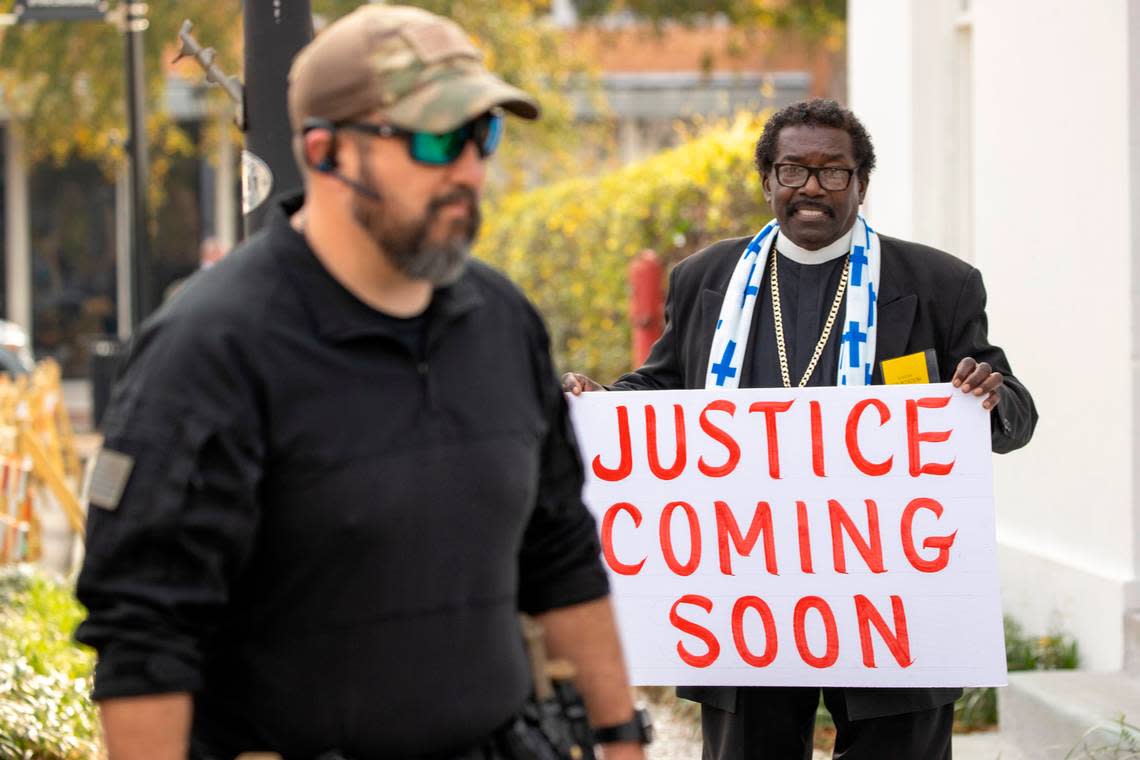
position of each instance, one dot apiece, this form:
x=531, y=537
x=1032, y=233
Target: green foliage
x=815, y=17
x=822, y=22
x=824, y=736
x=1111, y=740
x=977, y=707
x=66, y=79
x=1053, y=651
x=45, y=680
x=568, y=245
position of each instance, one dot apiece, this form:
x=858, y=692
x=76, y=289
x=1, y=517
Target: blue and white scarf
x=857, y=352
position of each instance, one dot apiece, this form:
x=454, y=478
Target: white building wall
x=1134, y=193
x=1051, y=91
x=907, y=89
x=880, y=55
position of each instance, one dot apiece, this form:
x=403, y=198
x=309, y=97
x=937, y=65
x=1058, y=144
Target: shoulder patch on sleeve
x=109, y=478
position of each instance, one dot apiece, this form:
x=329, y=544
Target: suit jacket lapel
x=895, y=316
x=895, y=322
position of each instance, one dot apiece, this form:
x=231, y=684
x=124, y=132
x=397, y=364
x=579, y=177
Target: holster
x=561, y=721
x=555, y=707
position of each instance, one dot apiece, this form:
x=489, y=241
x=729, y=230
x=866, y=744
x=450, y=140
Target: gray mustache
x=794, y=207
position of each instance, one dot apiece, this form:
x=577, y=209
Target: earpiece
x=327, y=165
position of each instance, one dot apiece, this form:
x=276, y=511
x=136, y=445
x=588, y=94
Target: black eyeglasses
x=441, y=149
x=831, y=178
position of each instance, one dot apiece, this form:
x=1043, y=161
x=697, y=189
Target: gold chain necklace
x=826, y=328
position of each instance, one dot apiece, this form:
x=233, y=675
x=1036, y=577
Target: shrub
x=977, y=707
x=568, y=244
x=45, y=679
x=1054, y=651
x=1108, y=740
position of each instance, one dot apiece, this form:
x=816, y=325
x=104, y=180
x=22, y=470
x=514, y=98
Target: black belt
x=517, y=739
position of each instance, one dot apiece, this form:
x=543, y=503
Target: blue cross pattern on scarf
x=857, y=345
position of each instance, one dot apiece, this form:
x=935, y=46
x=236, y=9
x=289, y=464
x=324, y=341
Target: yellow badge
x=910, y=370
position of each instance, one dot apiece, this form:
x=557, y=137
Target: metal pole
x=17, y=232
x=275, y=30
x=136, y=24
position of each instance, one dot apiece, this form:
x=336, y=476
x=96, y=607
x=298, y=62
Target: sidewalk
x=983, y=746
x=678, y=738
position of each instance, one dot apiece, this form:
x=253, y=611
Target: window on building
x=182, y=221
x=72, y=209
x=3, y=223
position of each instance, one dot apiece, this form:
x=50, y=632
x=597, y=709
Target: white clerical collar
x=800, y=255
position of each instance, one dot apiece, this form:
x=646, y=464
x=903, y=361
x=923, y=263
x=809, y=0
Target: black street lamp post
x=275, y=30
x=135, y=25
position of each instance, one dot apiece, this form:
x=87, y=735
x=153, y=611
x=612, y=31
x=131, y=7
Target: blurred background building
x=654, y=77
x=66, y=222
x=65, y=231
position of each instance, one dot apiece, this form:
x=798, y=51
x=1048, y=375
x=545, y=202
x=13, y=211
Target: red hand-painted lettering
x=722, y=437
x=614, y=563
x=914, y=437
x=941, y=543
x=666, y=536
x=727, y=529
x=696, y=630
x=651, y=443
x=866, y=466
x=831, y=654
x=871, y=550
x=625, y=464
x=898, y=641
x=771, y=645
x=770, y=409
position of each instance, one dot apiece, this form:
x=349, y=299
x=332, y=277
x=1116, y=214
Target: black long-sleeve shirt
x=806, y=295
x=325, y=536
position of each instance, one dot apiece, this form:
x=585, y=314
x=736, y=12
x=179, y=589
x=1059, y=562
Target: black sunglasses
x=434, y=149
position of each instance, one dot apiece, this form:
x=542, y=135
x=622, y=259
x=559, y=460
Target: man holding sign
x=818, y=298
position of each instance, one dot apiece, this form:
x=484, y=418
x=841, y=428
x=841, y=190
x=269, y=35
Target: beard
x=409, y=245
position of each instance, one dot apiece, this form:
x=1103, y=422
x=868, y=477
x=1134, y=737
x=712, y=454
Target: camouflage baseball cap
x=420, y=71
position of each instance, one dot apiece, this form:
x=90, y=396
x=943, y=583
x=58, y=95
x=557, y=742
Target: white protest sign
x=809, y=537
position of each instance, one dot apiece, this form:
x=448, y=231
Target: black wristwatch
x=638, y=729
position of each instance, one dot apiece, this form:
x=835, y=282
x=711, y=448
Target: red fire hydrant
x=646, y=303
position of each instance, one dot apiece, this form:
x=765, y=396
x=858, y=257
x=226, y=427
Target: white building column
x=1134, y=192
x=17, y=223
x=1058, y=254
x=880, y=84
x=910, y=83
x=225, y=203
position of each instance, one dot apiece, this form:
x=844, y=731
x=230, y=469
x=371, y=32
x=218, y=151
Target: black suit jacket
x=928, y=299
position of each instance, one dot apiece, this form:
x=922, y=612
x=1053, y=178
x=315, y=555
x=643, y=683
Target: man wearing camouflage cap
x=339, y=462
